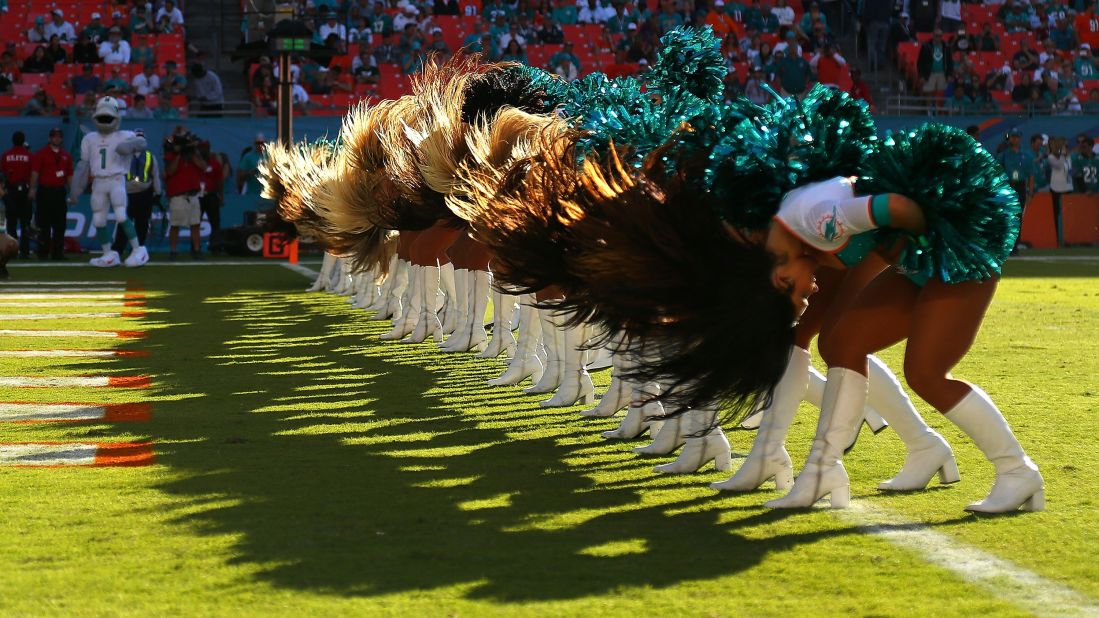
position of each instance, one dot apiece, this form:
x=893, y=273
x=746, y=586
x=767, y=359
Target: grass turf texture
x=304, y=468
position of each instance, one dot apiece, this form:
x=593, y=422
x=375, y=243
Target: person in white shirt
x=175, y=16
x=364, y=59
x=37, y=34
x=588, y=13
x=147, y=81
x=114, y=50
x=333, y=26
x=604, y=13
x=295, y=71
x=783, y=12
x=63, y=29
x=512, y=35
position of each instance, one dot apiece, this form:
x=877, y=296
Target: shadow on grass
x=364, y=473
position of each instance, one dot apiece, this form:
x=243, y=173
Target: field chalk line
x=53, y=454
x=1001, y=578
x=74, y=412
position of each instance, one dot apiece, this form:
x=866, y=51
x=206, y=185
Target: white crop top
x=826, y=214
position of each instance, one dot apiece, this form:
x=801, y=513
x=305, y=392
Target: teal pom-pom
x=689, y=61
x=555, y=89
x=973, y=214
x=833, y=133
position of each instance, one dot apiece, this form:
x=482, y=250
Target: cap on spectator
x=1015, y=133
x=719, y=3
x=137, y=132
x=260, y=139
x=332, y=15
x=632, y=26
x=643, y=62
x=58, y=12
x=96, y=15
x=791, y=35
x=88, y=66
x=56, y=131
x=38, y=21
x=905, y=15
x=149, y=64
x=116, y=14
x=436, y=30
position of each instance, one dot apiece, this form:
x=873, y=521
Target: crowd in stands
x=59, y=57
x=1032, y=56
x=786, y=44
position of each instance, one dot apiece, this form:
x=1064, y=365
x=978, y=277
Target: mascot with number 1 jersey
x=105, y=156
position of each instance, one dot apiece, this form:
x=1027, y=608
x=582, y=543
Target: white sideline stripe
x=54, y=381
x=58, y=353
x=12, y=332
x=301, y=270
x=50, y=295
x=14, y=412
x=91, y=303
x=1055, y=258
x=1001, y=578
x=57, y=316
x=7, y=283
x=49, y=291
x=74, y=454
x=160, y=264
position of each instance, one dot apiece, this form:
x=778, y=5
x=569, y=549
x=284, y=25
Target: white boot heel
x=949, y=474
x=840, y=497
x=526, y=363
x=1037, y=502
x=757, y=469
x=635, y=423
x=665, y=441
x=875, y=422
x=615, y=399
x=697, y=452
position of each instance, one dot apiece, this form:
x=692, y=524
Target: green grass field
x=303, y=468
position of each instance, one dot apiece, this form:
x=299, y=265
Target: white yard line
x=111, y=334
x=17, y=266
x=4, y=317
x=73, y=381
x=1000, y=578
x=1054, y=258
x=90, y=303
x=301, y=270
x=76, y=454
x=17, y=283
x=67, y=353
x=51, y=295
x=59, y=412
x=50, y=291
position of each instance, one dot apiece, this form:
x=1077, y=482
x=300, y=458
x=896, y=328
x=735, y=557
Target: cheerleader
x=936, y=205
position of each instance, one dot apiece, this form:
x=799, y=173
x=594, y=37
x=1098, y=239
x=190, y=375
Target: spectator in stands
x=38, y=62
x=119, y=21
x=999, y=80
x=819, y=41
x=139, y=21
x=407, y=17
x=618, y=22
x=446, y=7
x=8, y=67
x=511, y=35
x=860, y=89
x=1026, y=59
x=95, y=29
x=987, y=41
x=360, y=32
x=438, y=46
x=514, y=53
x=85, y=51
x=1015, y=16
x=950, y=14
x=365, y=66
x=116, y=83
x=1062, y=35
x=164, y=25
x=412, y=61
x=1084, y=64
x=565, y=68
x=41, y=104
x=387, y=52
x=114, y=50
x=173, y=81
x=206, y=89
x=812, y=16
x=1037, y=104
x=140, y=111
x=265, y=95
x=902, y=31
x=566, y=53
x=333, y=26
x=1039, y=153
x=86, y=82
x=961, y=43
x=63, y=29
x=785, y=14
x=55, y=52
x=495, y=9
x=175, y=16
x=875, y=21
x=1091, y=105
x=147, y=81
x=550, y=33
x=590, y=13
x=37, y=33
x=164, y=109
x=1060, y=181
x=564, y=12
x=829, y=66
x=1021, y=92
x=794, y=74
x=6, y=84
x=1019, y=166
x=753, y=87
x=935, y=64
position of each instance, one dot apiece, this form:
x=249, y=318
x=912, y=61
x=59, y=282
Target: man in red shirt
x=16, y=167
x=1087, y=27
x=212, y=180
x=184, y=169
x=859, y=88
x=51, y=169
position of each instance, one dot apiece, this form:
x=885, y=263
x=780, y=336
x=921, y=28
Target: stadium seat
x=10, y=105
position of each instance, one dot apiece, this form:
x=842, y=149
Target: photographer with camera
x=1060, y=181
x=213, y=178
x=184, y=169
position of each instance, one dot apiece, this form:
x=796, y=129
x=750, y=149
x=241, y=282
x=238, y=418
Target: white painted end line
x=301, y=270
x=60, y=412
x=70, y=353
x=110, y=334
x=1001, y=578
x=72, y=296
x=46, y=291
x=48, y=455
x=69, y=381
x=37, y=283
x=9, y=317
x=91, y=303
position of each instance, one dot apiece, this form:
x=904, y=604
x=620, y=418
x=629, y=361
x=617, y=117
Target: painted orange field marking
x=18, y=412
x=74, y=381
x=65, y=454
